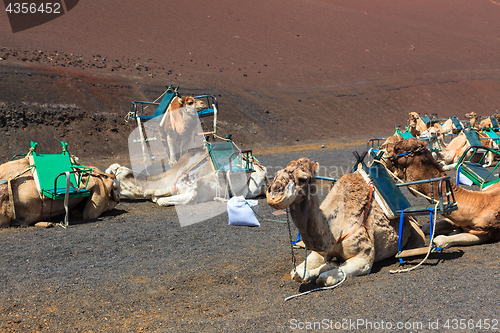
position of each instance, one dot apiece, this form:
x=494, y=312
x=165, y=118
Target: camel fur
x=417, y=126
x=179, y=126
x=478, y=214
x=30, y=207
x=190, y=180
x=322, y=226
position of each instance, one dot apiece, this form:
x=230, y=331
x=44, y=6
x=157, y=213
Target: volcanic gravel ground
x=137, y=270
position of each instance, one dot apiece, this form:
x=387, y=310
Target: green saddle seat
x=49, y=173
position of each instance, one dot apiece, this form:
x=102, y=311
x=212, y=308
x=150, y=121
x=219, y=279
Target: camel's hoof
x=329, y=278
x=441, y=241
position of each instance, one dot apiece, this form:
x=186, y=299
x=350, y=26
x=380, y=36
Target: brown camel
x=348, y=225
x=30, y=207
x=478, y=214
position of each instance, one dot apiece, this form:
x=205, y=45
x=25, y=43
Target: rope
x=431, y=246
x=9, y=184
x=409, y=188
x=269, y=220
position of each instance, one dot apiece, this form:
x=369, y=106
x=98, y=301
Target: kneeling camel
x=347, y=233
x=26, y=206
x=478, y=214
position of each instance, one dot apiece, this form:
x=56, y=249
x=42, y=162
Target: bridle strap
x=362, y=218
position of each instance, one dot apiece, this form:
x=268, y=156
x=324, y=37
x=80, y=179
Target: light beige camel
x=179, y=126
x=473, y=121
x=416, y=125
x=451, y=153
x=446, y=128
x=479, y=125
x=190, y=180
x=30, y=207
x=478, y=214
x=348, y=227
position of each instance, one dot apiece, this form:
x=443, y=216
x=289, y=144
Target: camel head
x=200, y=105
x=413, y=119
x=473, y=121
x=292, y=184
x=401, y=152
x=405, y=153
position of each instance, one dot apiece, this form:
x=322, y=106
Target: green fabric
x=425, y=119
x=478, y=174
x=220, y=152
x=48, y=167
x=405, y=135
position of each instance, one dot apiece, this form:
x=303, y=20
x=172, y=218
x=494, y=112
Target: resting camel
x=190, y=180
x=446, y=127
x=179, y=125
x=30, y=207
x=451, y=153
x=476, y=124
x=416, y=125
x=348, y=225
x=478, y=214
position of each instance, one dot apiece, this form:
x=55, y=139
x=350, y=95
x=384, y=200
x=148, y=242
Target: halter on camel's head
x=292, y=183
x=405, y=152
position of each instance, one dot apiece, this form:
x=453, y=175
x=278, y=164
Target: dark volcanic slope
x=319, y=68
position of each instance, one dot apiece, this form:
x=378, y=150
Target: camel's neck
x=441, y=141
x=468, y=202
x=311, y=223
x=420, y=171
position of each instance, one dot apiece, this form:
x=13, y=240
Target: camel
x=416, y=125
x=190, y=180
x=348, y=227
x=179, y=125
x=473, y=121
x=446, y=128
x=478, y=214
x=450, y=153
x=479, y=125
x=30, y=207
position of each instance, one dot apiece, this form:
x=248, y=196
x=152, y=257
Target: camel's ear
x=315, y=168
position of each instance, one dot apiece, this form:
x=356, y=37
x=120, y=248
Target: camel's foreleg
x=463, y=238
x=171, y=146
x=315, y=262
x=443, y=227
x=358, y=265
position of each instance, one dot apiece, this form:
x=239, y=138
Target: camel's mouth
x=281, y=197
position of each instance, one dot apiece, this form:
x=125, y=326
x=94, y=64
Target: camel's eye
x=190, y=103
